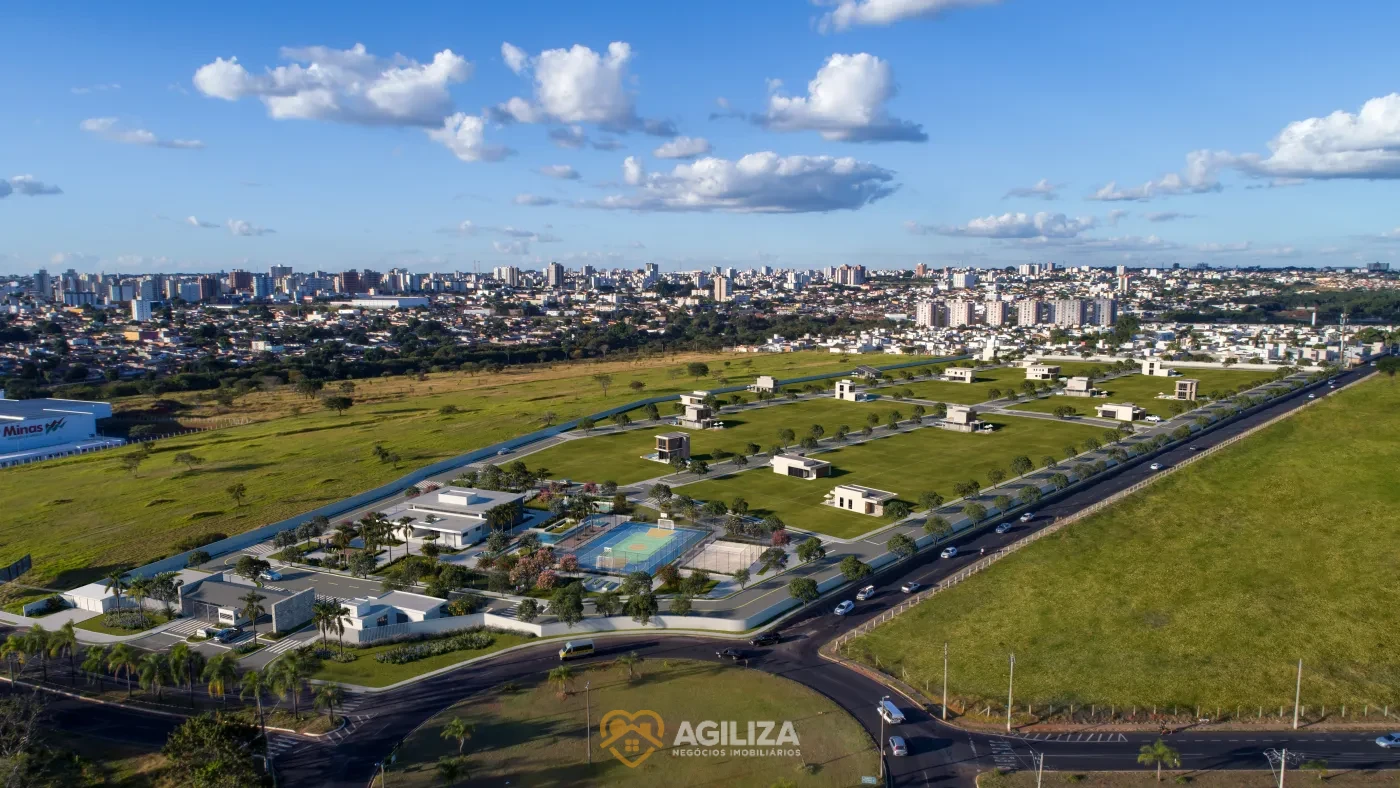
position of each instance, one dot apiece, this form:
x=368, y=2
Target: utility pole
x=1039, y=767
x=1297, y=697
x=945, y=679
x=588, y=722
x=882, y=737
x=1010, y=685
x=1282, y=767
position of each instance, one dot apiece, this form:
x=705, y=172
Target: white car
x=1388, y=741
x=1027, y=517
x=1312, y=396
x=911, y=586
x=845, y=607
x=270, y=574
x=948, y=552
x=1153, y=419
x=898, y=747
x=865, y=593
x=1156, y=466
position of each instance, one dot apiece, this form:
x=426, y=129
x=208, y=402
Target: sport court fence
x=637, y=547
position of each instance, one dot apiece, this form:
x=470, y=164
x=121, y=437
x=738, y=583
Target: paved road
x=940, y=755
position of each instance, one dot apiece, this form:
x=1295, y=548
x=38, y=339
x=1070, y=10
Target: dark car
x=766, y=639
x=730, y=653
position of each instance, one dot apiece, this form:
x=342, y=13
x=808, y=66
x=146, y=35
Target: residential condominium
x=964, y=280
x=722, y=289
x=997, y=313
x=1028, y=312
x=961, y=313
x=1105, y=311
x=1069, y=312
x=929, y=314
x=556, y=275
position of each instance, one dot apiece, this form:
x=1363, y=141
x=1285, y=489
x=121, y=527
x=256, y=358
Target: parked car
x=228, y=635
x=948, y=552
x=730, y=654
x=270, y=574
x=1003, y=527
x=766, y=639
x=911, y=586
x=1388, y=741
x=845, y=607
x=1153, y=419
x=865, y=593
x=898, y=747
x=1156, y=466
x=1027, y=517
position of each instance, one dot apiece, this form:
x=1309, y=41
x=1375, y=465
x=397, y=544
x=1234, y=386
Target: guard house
x=867, y=372
x=858, y=499
x=766, y=384
x=1156, y=369
x=1186, y=389
x=697, y=415
x=961, y=418
x=846, y=390
x=1126, y=411
x=1043, y=372
x=799, y=466
x=1079, y=387
x=670, y=445
x=958, y=374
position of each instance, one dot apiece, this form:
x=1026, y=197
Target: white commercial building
x=461, y=516
x=35, y=429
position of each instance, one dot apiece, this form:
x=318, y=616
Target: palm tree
x=338, y=622
x=116, y=584
x=185, y=664
x=139, y=589
x=459, y=731
x=405, y=525
x=323, y=615
x=95, y=664
x=11, y=650
x=1159, y=753
x=123, y=660
x=290, y=679
x=219, y=674
x=328, y=697
x=630, y=660
x=562, y=678
x=256, y=683
x=154, y=671
x=451, y=769
x=36, y=644
x=252, y=609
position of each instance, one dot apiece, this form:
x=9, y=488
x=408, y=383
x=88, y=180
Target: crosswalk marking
x=187, y=626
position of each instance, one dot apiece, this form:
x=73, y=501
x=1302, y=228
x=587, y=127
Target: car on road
x=270, y=574
x=844, y=608
x=1003, y=528
x=733, y=654
x=228, y=635
x=1153, y=419
x=1156, y=466
x=766, y=639
x=1388, y=741
x=1194, y=448
x=898, y=747
x=865, y=593
x=1312, y=396
x=1027, y=517
x=948, y=552
x=911, y=586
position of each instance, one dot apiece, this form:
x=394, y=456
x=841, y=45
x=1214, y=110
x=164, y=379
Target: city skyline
x=885, y=134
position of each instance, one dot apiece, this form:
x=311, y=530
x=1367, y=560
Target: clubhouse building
x=462, y=516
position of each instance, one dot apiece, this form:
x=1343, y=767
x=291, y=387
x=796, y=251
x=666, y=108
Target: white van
x=890, y=713
x=576, y=648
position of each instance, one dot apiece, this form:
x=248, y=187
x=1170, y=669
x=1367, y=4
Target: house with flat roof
x=846, y=391
x=1156, y=368
x=1080, y=387
x=462, y=516
x=799, y=466
x=1125, y=411
x=765, y=384
x=959, y=374
x=221, y=599
x=1043, y=372
x=858, y=499
x=697, y=414
x=867, y=372
x=368, y=613
x=962, y=418
x=670, y=445
x=1186, y=388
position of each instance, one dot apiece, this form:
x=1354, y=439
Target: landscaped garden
x=535, y=735
x=367, y=669
x=1206, y=588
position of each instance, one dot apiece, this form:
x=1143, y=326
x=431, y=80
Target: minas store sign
x=27, y=430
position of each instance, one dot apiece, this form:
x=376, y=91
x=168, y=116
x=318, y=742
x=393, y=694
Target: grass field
x=1259, y=778
x=908, y=464
x=1205, y=588
x=533, y=737
x=1142, y=391
x=366, y=671
x=980, y=390
x=82, y=517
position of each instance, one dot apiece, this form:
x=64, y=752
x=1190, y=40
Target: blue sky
x=929, y=113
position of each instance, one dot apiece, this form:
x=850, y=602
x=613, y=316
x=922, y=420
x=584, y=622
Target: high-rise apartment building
x=1028, y=312
x=997, y=313
x=964, y=280
x=1069, y=312
x=350, y=282
x=928, y=314
x=961, y=312
x=555, y=275
x=1105, y=311
x=921, y=270
x=141, y=310
x=722, y=289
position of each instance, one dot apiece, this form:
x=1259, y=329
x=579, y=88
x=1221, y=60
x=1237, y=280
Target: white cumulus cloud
x=844, y=101
x=242, y=227
x=1017, y=225
x=578, y=85
x=465, y=136
x=632, y=171
x=516, y=58
x=682, y=148
x=533, y=200
x=1201, y=175
x=1364, y=145
x=757, y=183
x=1043, y=189
x=849, y=13
x=561, y=171
x=111, y=129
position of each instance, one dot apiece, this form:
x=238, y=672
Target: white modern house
x=846, y=391
x=799, y=466
x=460, y=516
x=394, y=607
x=697, y=415
x=764, y=384
x=1186, y=388
x=1080, y=387
x=959, y=374
x=1038, y=372
x=962, y=418
x=858, y=499
x=1125, y=411
x=1153, y=367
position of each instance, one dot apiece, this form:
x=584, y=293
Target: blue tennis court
x=636, y=547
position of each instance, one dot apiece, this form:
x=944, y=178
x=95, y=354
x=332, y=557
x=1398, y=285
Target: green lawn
x=1142, y=391
x=908, y=464
x=1206, y=588
x=367, y=671
x=94, y=624
x=533, y=737
x=81, y=517
x=1259, y=778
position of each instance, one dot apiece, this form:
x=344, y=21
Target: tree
x=94, y=662
x=548, y=418
x=36, y=646
x=185, y=665
x=459, y=731
x=607, y=603
x=698, y=467
x=1021, y=465
x=188, y=459
x=338, y=403
x=901, y=545
x=562, y=679
x=642, y=607
x=937, y=527
x=786, y=437
x=630, y=661
x=930, y=500
x=527, y=611
x=1029, y=494
x=64, y=642
x=290, y=675
x=251, y=567
x=237, y=491
x=772, y=558
x=210, y=751
x=132, y=462
x=362, y=563
x=1059, y=481
x=115, y=583
x=697, y=369
x=810, y=549
x=328, y=696
x=586, y=423
x=566, y=603
x=123, y=661
x=996, y=476
x=450, y=770
x=680, y=605
x=1159, y=754
x=742, y=578
x=975, y=513
x=803, y=589
x=1002, y=503
x=603, y=380
x=154, y=672
x=896, y=510
x=852, y=568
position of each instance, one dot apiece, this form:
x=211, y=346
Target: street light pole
x=1010, y=685
x=1282, y=767
x=1297, y=696
x=588, y=722
x=882, y=735
x=945, y=679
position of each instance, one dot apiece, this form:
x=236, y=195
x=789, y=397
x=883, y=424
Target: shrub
x=124, y=619
x=344, y=656
x=190, y=543
x=471, y=639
